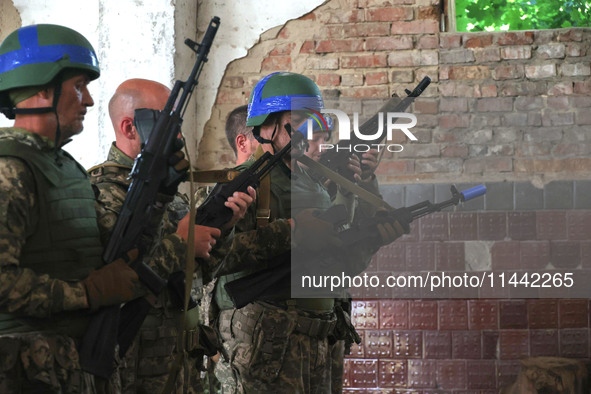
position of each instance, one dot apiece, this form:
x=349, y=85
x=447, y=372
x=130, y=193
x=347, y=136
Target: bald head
x=129, y=96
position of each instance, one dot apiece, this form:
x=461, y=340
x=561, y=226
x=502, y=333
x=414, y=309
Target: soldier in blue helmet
x=51, y=271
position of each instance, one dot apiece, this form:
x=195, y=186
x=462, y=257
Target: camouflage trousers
x=271, y=350
x=337, y=360
x=40, y=362
x=147, y=364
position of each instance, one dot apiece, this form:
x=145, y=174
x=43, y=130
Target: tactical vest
x=290, y=196
x=65, y=243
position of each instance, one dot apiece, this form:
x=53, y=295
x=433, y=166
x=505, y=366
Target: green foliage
x=489, y=15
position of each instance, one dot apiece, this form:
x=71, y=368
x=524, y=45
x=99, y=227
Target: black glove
x=178, y=168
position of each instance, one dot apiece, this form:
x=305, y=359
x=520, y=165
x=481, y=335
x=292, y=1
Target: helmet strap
x=256, y=132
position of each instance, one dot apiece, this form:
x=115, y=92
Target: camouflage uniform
x=277, y=344
x=41, y=306
x=146, y=366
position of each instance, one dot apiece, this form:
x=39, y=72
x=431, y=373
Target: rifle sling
x=264, y=196
x=214, y=176
x=344, y=183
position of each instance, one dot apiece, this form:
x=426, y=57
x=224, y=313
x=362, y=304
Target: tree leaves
x=490, y=15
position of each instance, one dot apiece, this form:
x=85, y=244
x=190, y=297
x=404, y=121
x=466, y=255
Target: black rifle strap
x=264, y=196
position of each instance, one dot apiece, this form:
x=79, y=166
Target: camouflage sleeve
x=252, y=247
x=22, y=291
x=166, y=251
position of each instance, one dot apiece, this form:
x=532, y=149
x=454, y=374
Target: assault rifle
x=212, y=212
x=261, y=284
x=112, y=325
x=337, y=159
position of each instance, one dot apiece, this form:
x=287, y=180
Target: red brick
x=404, y=59
x=466, y=345
x=506, y=255
x=565, y=254
x=492, y=226
x=389, y=14
x=428, y=42
x=482, y=375
x=429, y=12
x=422, y=374
x=378, y=344
x=542, y=313
x=342, y=16
x=500, y=104
x=449, y=256
x=365, y=314
x=450, y=40
x=574, y=313
x=522, y=225
x=282, y=49
x=535, y=255
x=357, y=351
x=363, y=373
x=451, y=374
x=512, y=314
x=543, y=343
x=328, y=79
x=364, y=61
x=517, y=52
x=437, y=344
x=407, y=344
x=469, y=72
x=393, y=314
x=540, y=71
x=308, y=46
x=392, y=373
x=463, y=226
x=416, y=27
x=422, y=315
x=514, y=344
x=420, y=256
x=365, y=29
x=579, y=225
x=514, y=71
x=454, y=120
x=570, y=35
x=377, y=78
x=453, y=315
x=574, y=343
x=366, y=92
x=478, y=41
x=388, y=43
x=516, y=38
x=276, y=63
x=454, y=151
x=484, y=315
x=435, y=227
x=392, y=257
x=324, y=46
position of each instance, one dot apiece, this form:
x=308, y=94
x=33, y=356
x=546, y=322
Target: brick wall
x=508, y=109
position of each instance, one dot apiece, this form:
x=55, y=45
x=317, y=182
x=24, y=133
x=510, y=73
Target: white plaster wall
x=242, y=23
x=136, y=39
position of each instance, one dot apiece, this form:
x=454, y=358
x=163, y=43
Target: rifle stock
x=150, y=172
x=213, y=212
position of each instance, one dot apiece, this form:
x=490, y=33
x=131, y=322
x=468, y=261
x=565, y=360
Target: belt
x=246, y=321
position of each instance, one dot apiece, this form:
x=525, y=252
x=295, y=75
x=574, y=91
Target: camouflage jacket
x=111, y=180
x=22, y=291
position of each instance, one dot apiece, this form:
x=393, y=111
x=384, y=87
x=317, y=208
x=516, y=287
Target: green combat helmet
x=281, y=91
x=35, y=55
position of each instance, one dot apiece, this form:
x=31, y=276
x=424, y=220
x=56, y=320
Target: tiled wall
x=473, y=345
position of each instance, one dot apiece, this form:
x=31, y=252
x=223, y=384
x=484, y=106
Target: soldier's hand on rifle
x=364, y=168
x=204, y=238
x=392, y=225
x=113, y=284
x=313, y=233
x=178, y=168
x=239, y=203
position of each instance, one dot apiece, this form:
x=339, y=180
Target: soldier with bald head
x=148, y=361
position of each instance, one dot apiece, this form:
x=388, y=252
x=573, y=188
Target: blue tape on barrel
x=473, y=192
